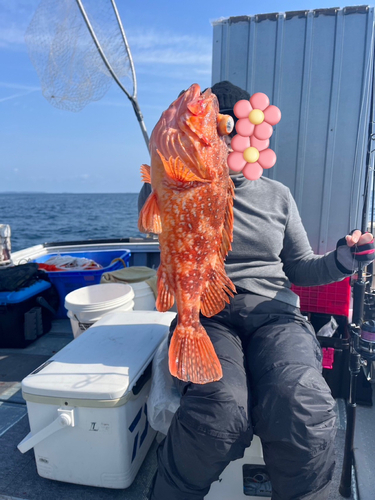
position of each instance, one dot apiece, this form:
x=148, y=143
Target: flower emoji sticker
x=251, y=154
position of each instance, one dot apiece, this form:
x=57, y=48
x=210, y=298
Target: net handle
x=132, y=98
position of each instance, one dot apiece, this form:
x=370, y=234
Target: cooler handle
x=65, y=419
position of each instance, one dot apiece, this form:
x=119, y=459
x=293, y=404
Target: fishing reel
x=364, y=345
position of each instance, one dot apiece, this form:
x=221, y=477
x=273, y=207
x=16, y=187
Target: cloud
x=167, y=48
x=11, y=36
x=14, y=96
x=173, y=56
x=18, y=86
x=170, y=49
x=15, y=17
x=146, y=40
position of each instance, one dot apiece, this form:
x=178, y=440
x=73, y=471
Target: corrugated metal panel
x=317, y=66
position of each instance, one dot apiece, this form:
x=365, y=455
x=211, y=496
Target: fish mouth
x=196, y=101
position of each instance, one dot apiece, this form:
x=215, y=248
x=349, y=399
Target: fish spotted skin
x=191, y=208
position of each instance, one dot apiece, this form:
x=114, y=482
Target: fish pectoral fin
x=165, y=298
x=192, y=356
x=149, y=220
x=218, y=290
x=146, y=173
x=177, y=171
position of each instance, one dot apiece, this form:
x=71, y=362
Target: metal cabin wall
x=317, y=67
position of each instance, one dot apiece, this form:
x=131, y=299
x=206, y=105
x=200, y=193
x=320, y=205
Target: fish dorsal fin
x=165, y=298
x=177, y=171
x=218, y=289
x=146, y=173
x=149, y=218
x=226, y=242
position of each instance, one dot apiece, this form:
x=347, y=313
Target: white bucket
x=90, y=303
x=144, y=298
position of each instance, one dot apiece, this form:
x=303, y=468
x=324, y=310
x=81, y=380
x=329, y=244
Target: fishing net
x=70, y=68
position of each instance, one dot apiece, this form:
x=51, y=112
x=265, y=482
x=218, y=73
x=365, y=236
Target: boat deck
x=18, y=475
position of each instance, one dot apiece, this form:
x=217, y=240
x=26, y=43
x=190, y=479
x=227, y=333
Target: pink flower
x=250, y=146
x=256, y=117
x=250, y=156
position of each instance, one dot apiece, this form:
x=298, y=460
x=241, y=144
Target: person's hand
x=355, y=247
x=357, y=238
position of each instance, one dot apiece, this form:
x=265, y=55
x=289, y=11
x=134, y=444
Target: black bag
x=17, y=277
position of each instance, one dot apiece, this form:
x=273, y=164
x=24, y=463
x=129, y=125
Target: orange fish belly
x=189, y=258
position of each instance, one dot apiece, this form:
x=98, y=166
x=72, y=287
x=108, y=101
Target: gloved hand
x=354, y=248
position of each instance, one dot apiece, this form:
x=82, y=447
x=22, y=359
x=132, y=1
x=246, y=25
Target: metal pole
x=133, y=99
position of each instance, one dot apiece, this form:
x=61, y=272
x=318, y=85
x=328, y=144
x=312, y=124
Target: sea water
x=37, y=218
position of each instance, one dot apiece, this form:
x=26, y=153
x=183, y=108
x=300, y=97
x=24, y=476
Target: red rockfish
x=191, y=208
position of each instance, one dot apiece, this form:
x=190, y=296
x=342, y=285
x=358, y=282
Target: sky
x=100, y=148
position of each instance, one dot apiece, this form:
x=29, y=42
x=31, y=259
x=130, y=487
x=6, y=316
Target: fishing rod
x=362, y=334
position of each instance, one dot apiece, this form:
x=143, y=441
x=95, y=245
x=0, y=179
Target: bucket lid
x=103, y=363
x=96, y=297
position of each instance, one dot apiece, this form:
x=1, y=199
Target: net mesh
x=71, y=71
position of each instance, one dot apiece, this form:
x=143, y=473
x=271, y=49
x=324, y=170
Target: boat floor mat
x=13, y=369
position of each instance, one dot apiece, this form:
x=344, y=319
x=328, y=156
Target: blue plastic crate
x=23, y=294
x=67, y=281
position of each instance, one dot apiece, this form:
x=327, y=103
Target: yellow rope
x=119, y=260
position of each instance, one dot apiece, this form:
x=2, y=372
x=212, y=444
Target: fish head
x=199, y=114
x=192, y=129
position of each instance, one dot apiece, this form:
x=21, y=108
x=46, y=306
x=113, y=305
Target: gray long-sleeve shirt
x=270, y=248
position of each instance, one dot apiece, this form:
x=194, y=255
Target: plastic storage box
x=87, y=405
x=320, y=303
x=67, y=281
x=326, y=299
x=24, y=314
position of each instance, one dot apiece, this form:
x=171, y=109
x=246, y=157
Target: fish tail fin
x=192, y=356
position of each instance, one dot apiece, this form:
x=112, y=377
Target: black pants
x=272, y=386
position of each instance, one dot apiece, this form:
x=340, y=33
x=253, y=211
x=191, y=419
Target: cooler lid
x=23, y=294
x=105, y=361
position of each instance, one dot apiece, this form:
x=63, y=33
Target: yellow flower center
x=251, y=155
x=256, y=116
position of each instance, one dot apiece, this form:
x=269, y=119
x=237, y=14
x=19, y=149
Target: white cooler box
x=87, y=405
